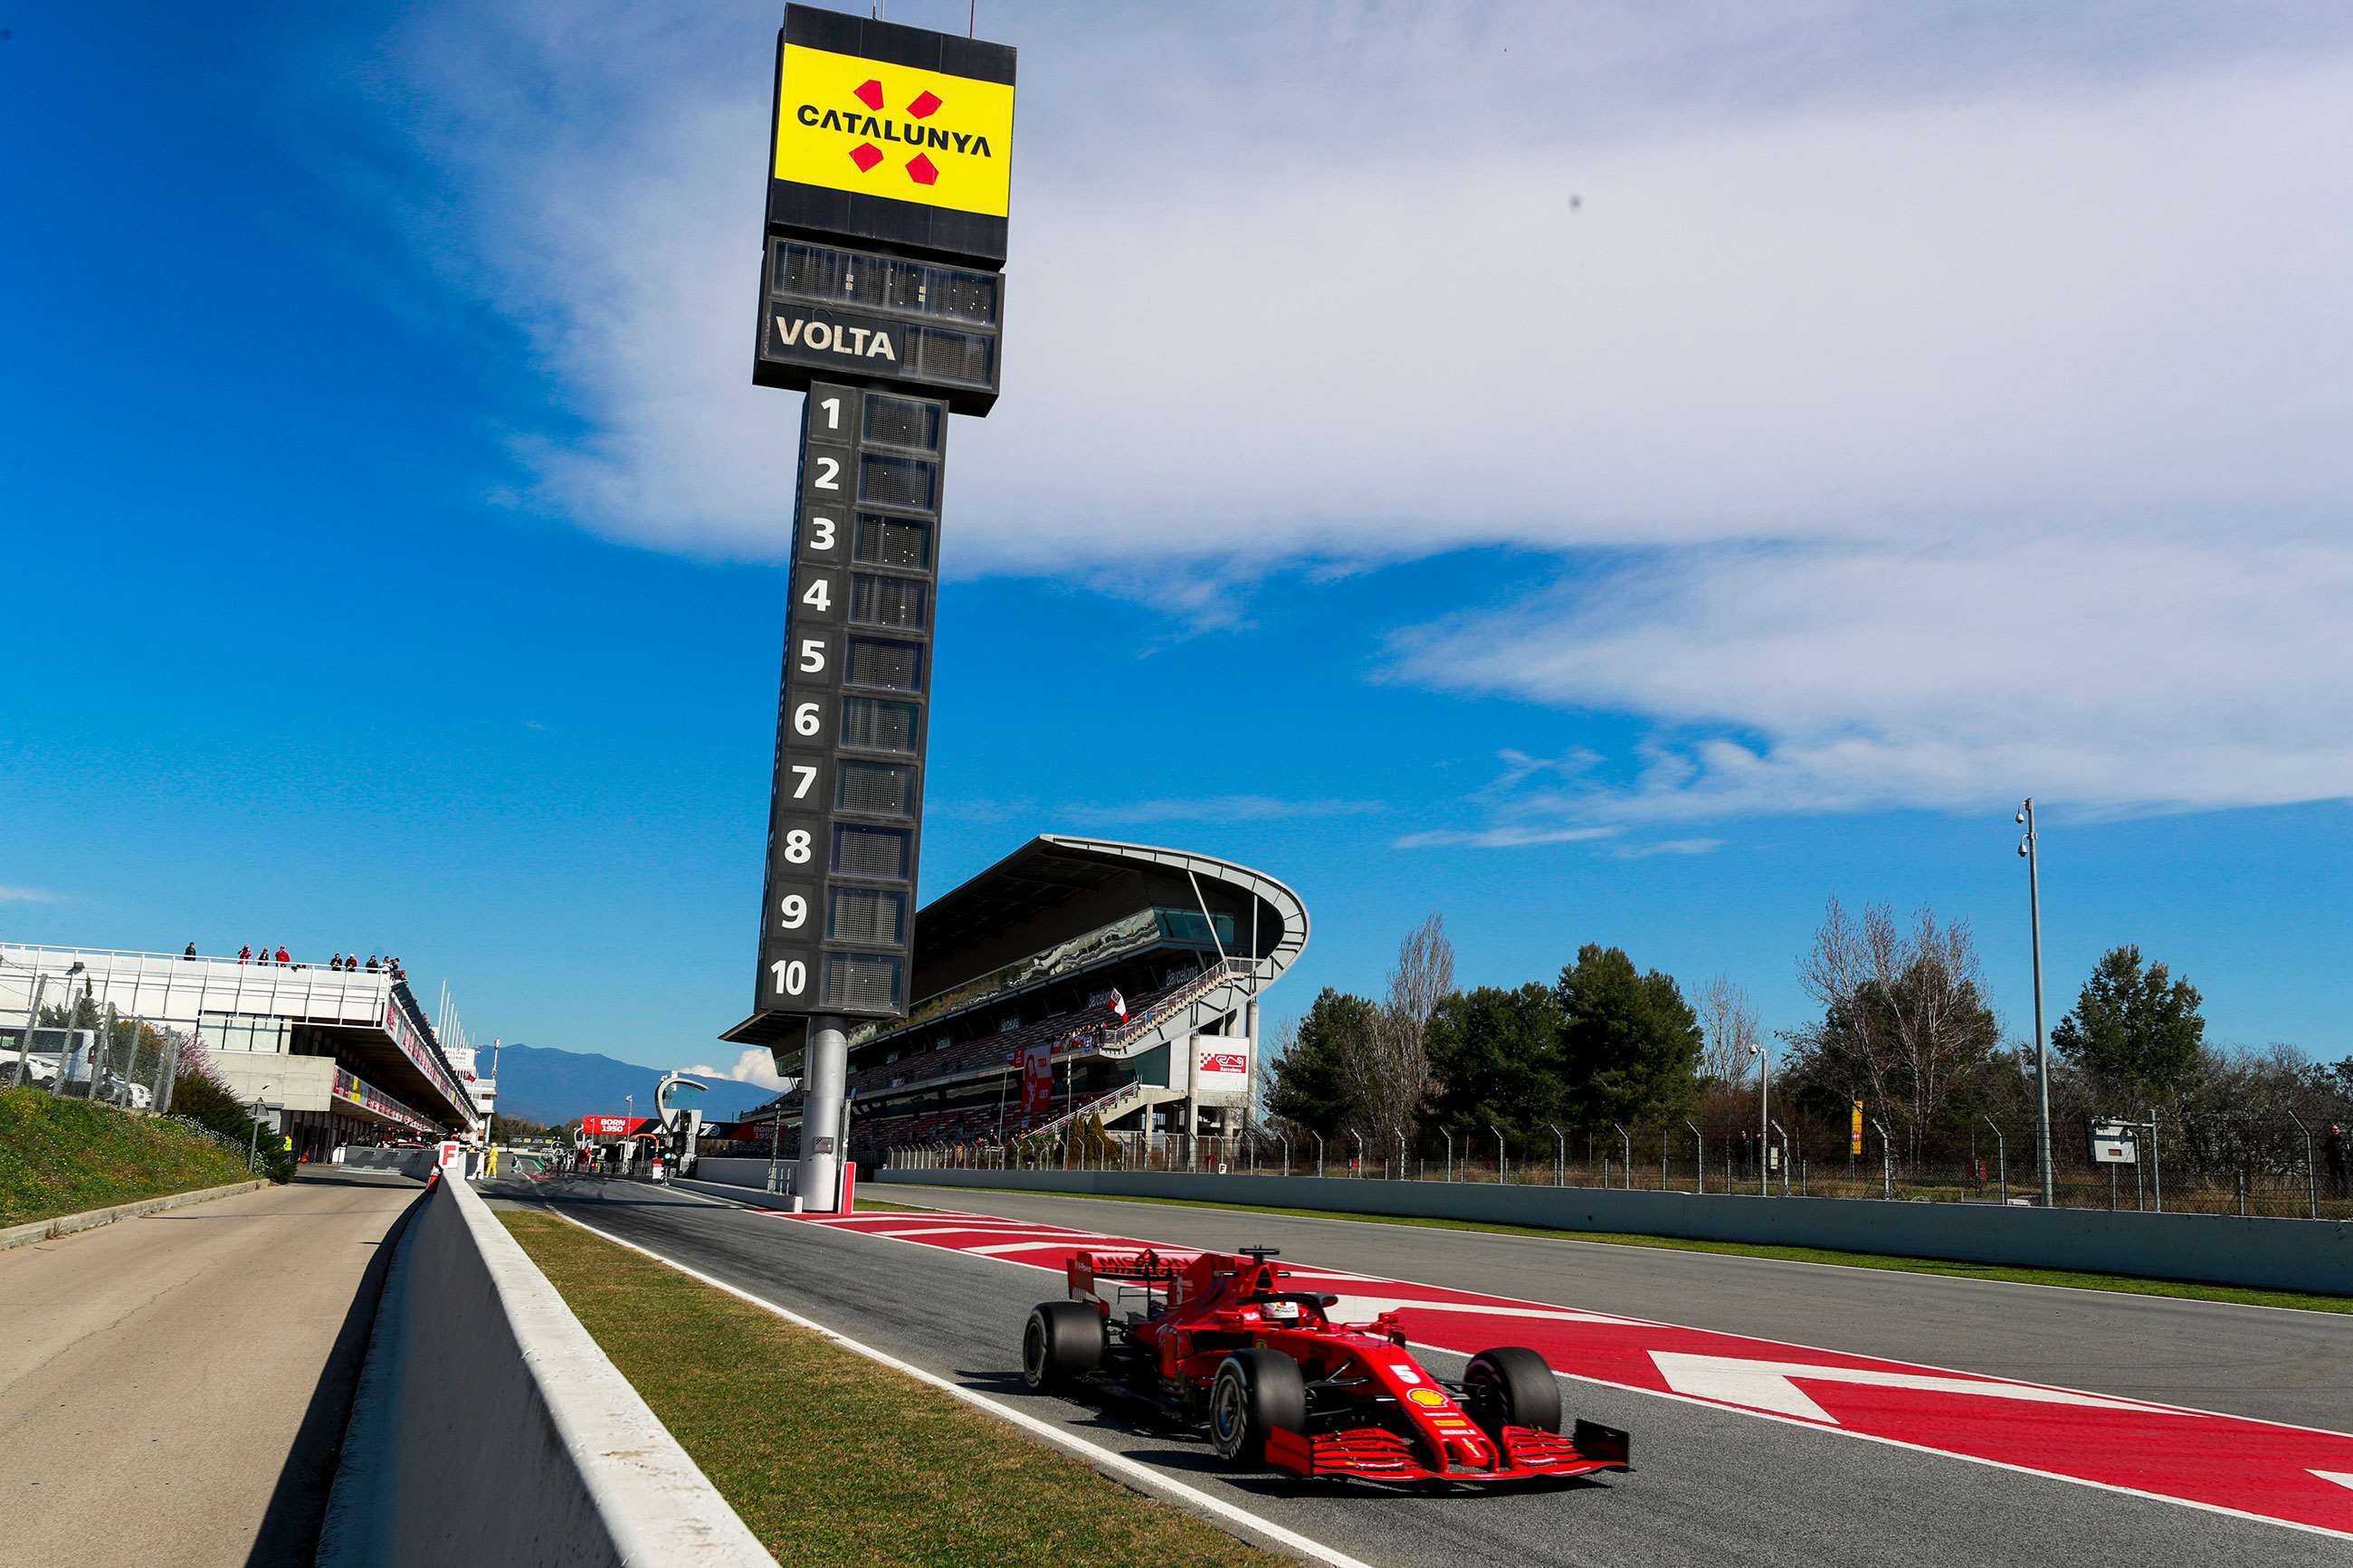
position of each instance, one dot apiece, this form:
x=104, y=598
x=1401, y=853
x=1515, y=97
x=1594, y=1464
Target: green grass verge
x=831, y=1458
x=66, y=1156
x=2122, y=1284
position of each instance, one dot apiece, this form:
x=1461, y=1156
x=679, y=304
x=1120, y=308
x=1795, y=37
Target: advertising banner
x=871, y=128
x=1220, y=1069
x=1038, y=1078
x=1854, y=1130
x=613, y=1126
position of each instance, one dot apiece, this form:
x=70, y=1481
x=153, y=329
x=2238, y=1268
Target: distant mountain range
x=539, y=1083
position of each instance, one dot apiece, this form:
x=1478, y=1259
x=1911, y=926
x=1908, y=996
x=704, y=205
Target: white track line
x=1100, y=1458
x=1848, y=1432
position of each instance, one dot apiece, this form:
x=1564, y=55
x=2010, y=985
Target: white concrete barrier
x=489, y=1427
x=2267, y=1253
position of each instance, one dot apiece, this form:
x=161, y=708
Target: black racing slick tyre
x=1513, y=1386
x=1063, y=1340
x=1255, y=1392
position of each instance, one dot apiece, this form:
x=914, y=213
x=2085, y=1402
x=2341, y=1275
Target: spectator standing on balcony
x=191, y=951
x=372, y=964
x=282, y=959
x=245, y=953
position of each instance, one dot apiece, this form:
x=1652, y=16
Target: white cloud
x=1503, y=837
x=1669, y=847
x=1220, y=808
x=2118, y=674
x=28, y=896
x=751, y=1067
x=1959, y=406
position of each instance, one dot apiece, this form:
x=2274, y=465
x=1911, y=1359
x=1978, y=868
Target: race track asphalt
x=1711, y=1486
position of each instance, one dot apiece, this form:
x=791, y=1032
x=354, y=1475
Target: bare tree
x=1905, y=1023
x=1390, y=1064
x=1728, y=1021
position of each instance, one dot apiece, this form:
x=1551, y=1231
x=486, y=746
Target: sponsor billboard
x=890, y=135
x=613, y=1126
x=1220, y=1069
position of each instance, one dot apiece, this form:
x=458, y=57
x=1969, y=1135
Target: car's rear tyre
x=1062, y=1340
x=1255, y=1392
x=1513, y=1386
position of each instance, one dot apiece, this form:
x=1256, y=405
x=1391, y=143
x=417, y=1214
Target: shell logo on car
x=1426, y=1398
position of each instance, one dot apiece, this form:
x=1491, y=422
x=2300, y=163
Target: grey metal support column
x=2030, y=848
x=826, y=1071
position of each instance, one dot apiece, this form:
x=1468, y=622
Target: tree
x=1391, y=1065
x=1628, y=1041
x=1494, y=1056
x=2133, y=1027
x=1312, y=1085
x=1727, y=1022
x=1904, y=1027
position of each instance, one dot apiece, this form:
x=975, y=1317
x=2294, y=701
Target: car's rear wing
x=1128, y=1283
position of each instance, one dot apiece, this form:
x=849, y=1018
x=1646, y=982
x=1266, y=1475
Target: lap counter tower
x=881, y=294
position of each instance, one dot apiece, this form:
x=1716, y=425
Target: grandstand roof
x=1058, y=887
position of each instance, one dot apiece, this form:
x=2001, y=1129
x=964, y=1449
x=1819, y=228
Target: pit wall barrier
x=416, y=1163
x=489, y=1427
x=733, y=1172
x=2314, y=1256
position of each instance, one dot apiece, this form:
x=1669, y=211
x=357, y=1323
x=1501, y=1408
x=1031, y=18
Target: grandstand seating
x=1023, y=955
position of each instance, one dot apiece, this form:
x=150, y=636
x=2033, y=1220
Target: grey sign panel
x=845, y=813
x=862, y=316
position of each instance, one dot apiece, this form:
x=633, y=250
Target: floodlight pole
x=1560, y=1157
x=2029, y=847
x=1627, y=1143
x=1700, y=1144
x=1501, y=1165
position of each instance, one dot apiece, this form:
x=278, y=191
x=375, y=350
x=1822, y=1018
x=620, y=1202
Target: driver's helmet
x=1282, y=1311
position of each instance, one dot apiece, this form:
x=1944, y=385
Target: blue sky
x=1901, y=419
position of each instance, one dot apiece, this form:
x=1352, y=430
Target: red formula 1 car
x=1215, y=1341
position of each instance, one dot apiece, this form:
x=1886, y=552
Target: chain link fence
x=81, y=1052
x=2280, y=1165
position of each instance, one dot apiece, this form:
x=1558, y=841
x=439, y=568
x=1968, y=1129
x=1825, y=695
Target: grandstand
x=1014, y=1030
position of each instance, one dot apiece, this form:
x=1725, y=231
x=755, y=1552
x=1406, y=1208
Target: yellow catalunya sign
x=873, y=128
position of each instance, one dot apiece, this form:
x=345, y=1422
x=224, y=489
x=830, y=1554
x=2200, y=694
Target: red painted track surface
x=2288, y=1475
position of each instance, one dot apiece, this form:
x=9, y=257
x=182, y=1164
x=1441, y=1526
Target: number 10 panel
x=851, y=727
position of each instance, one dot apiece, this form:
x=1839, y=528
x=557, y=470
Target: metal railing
x=172, y=987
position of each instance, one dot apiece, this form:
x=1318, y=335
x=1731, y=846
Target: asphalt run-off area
x=1779, y=1413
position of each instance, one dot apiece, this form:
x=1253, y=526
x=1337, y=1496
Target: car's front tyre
x=1512, y=1386
x=1255, y=1392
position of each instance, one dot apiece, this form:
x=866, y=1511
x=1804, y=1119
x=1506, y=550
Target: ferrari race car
x=1215, y=1342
